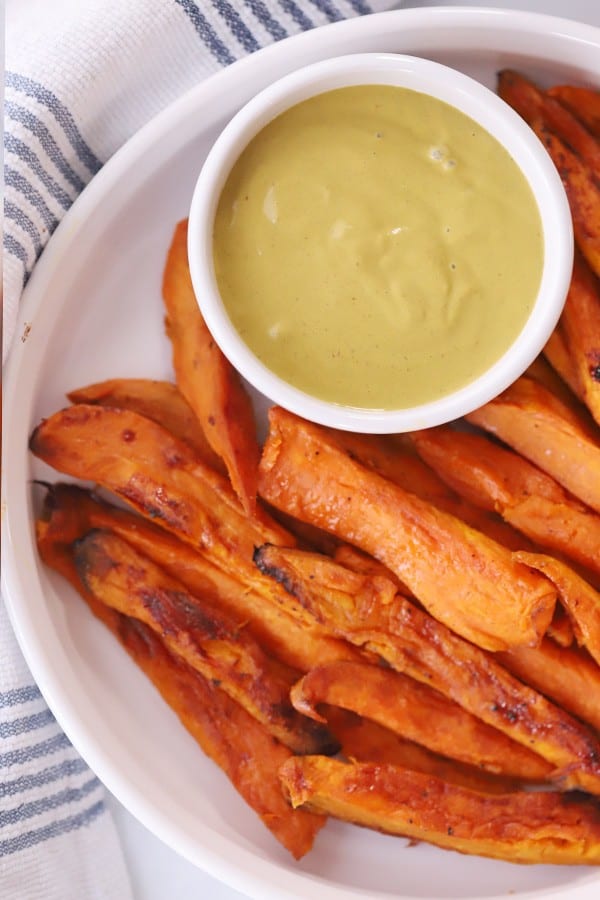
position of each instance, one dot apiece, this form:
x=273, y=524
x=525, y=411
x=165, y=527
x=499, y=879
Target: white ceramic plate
x=95, y=311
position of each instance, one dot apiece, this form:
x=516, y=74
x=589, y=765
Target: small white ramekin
x=471, y=98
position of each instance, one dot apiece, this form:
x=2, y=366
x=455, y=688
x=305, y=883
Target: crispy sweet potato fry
x=530, y=500
x=525, y=827
x=463, y=577
x=541, y=371
x=363, y=740
x=560, y=358
x=160, y=401
x=201, y=634
x=580, y=333
x=361, y=609
x=535, y=423
x=163, y=479
x=579, y=598
x=568, y=676
x=278, y=625
x=233, y=739
x=206, y=379
x=415, y=711
x=583, y=194
x=583, y=103
x=399, y=464
x=535, y=106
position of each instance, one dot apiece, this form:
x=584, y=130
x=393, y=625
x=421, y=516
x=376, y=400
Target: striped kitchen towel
x=81, y=77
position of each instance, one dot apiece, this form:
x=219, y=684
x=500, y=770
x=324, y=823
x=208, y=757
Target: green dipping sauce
x=376, y=248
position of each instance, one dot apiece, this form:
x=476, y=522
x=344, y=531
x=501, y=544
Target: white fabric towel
x=81, y=77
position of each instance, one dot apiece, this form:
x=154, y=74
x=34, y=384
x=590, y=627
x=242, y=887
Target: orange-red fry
x=206, y=378
x=461, y=576
x=539, y=827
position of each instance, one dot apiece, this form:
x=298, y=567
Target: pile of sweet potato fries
x=400, y=631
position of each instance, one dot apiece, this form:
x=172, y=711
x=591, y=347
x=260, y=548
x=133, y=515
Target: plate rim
x=215, y=859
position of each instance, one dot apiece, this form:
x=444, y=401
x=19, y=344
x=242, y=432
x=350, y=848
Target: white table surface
x=158, y=873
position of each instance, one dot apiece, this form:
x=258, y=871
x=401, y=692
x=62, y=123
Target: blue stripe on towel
x=26, y=723
x=65, y=769
x=362, y=8
x=236, y=25
x=19, y=695
x=34, y=751
x=297, y=14
x=60, y=112
x=54, y=829
x=12, y=245
x=206, y=32
x=25, y=117
x=328, y=9
x=16, y=146
x=43, y=804
x=16, y=214
x=263, y=14
x=14, y=179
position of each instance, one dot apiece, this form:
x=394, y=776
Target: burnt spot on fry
x=91, y=558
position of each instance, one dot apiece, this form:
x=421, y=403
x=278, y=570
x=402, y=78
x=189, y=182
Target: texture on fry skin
x=567, y=675
x=580, y=333
x=411, y=641
x=414, y=711
x=583, y=103
x=363, y=740
x=198, y=632
x=526, y=827
x=400, y=464
x=528, y=418
x=562, y=360
x=160, y=401
x=206, y=378
x=579, y=598
x=532, y=501
x=278, y=623
x=461, y=576
x=234, y=740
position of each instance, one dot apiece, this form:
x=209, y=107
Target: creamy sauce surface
x=377, y=248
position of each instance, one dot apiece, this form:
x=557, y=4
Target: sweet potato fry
x=161, y=477
x=233, y=739
x=400, y=464
x=583, y=103
x=535, y=106
x=580, y=599
x=278, y=625
x=527, y=498
x=363, y=610
x=560, y=628
x=560, y=358
x=463, y=577
x=568, y=676
x=415, y=711
x=580, y=331
x=524, y=827
x=160, y=401
x=535, y=423
x=543, y=373
x=206, y=379
x=583, y=194
x=199, y=633
x=363, y=740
